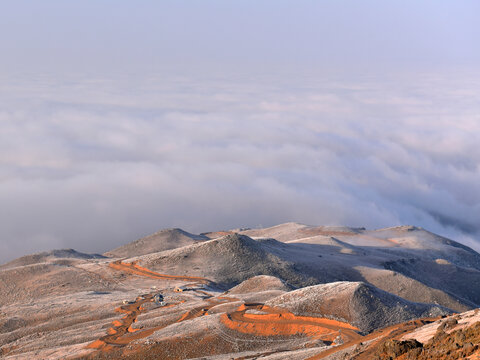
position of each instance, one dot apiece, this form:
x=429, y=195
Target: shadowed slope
x=319, y=259
x=260, y=283
x=228, y=260
x=293, y=231
x=49, y=255
x=160, y=241
x=32, y=282
x=360, y=304
x=69, y=297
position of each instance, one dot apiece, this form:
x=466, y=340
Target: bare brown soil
x=322, y=231
x=178, y=348
x=376, y=337
x=387, y=344
x=133, y=268
x=122, y=332
x=458, y=344
x=295, y=291
x=280, y=322
x=269, y=322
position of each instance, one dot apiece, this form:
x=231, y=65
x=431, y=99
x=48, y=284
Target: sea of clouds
x=91, y=162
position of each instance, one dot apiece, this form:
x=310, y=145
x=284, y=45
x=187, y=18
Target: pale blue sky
x=99, y=35
x=119, y=118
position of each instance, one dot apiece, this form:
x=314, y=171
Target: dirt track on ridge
x=280, y=322
x=266, y=321
x=122, y=333
x=133, y=268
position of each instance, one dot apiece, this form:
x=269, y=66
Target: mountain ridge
x=290, y=291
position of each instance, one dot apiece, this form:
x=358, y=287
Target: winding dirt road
x=279, y=322
x=133, y=268
x=122, y=333
x=254, y=319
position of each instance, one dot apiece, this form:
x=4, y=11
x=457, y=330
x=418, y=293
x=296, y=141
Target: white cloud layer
x=92, y=163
